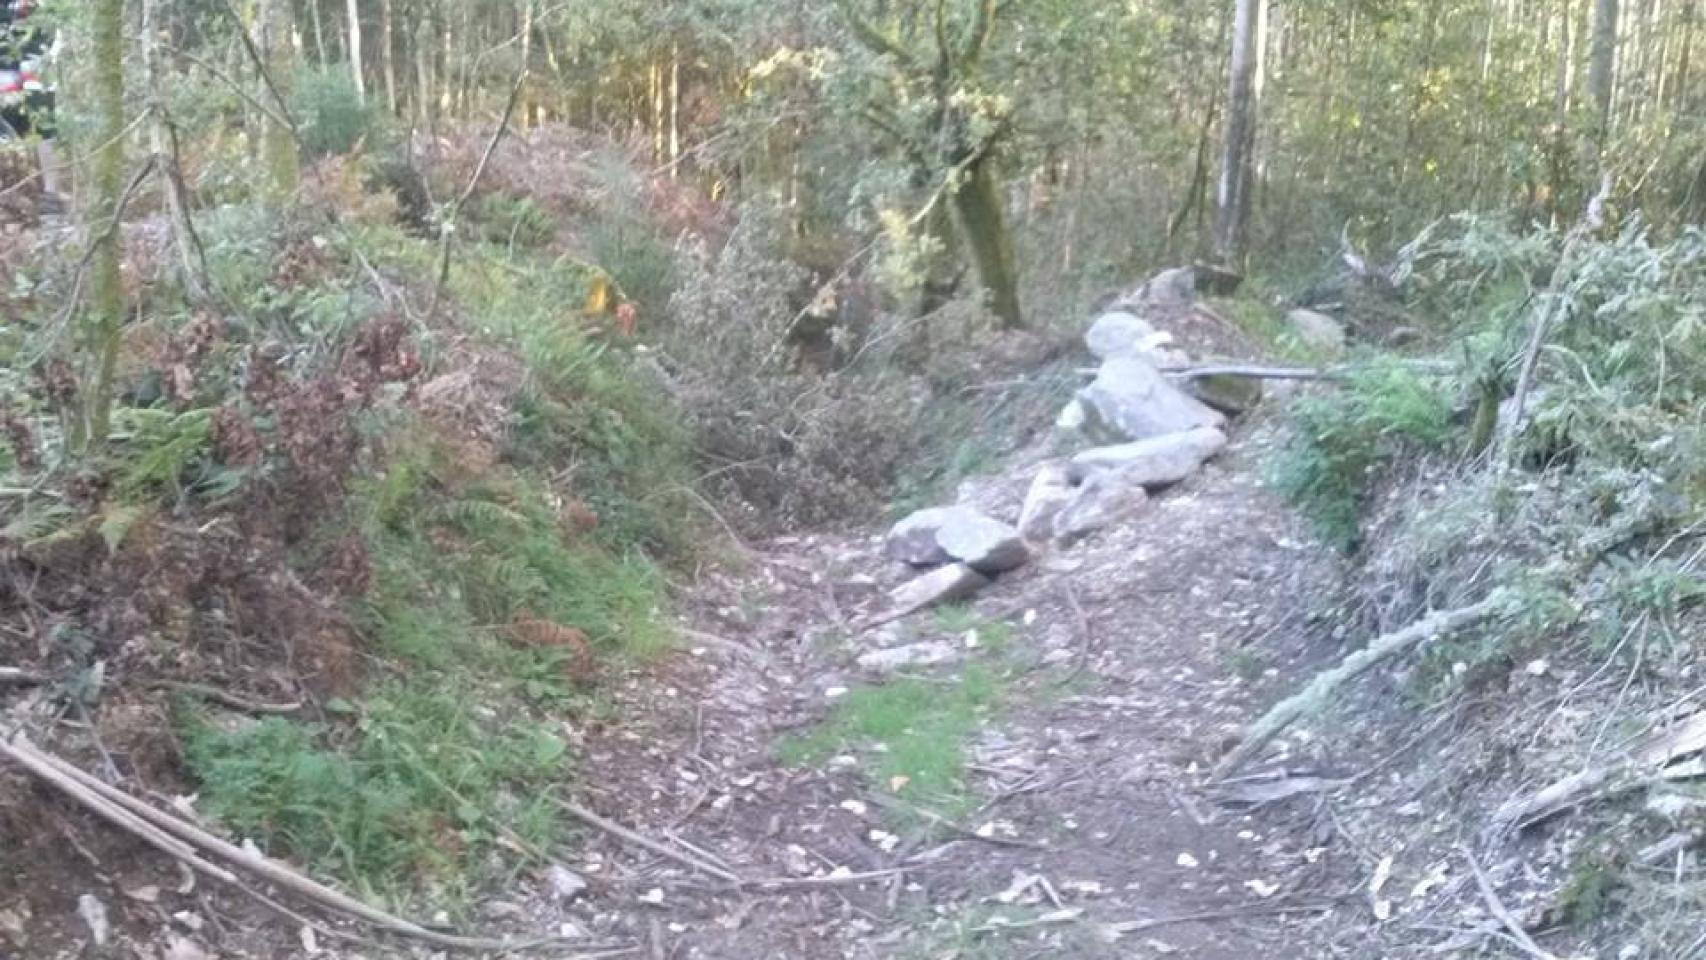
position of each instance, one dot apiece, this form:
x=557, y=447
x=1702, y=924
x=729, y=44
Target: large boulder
x=1318, y=332
x=982, y=543
x=955, y=581
x=1137, y=402
x=1123, y=334
x=1050, y=492
x=913, y=540
x=1157, y=462
x=1102, y=500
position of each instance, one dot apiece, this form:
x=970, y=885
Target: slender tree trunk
x=319, y=32
x=1231, y=226
x=1602, y=65
x=388, y=53
x=423, y=73
x=273, y=29
x=983, y=220
x=162, y=143
x=354, y=47
x=1679, y=87
x=674, y=108
x=106, y=313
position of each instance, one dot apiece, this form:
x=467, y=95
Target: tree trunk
x=273, y=28
x=388, y=53
x=106, y=314
x=1231, y=223
x=354, y=47
x=319, y=32
x=162, y=144
x=1602, y=65
x=983, y=221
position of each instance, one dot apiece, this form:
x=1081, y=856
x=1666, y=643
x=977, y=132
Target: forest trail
x=1083, y=830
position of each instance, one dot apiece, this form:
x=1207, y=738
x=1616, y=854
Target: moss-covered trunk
x=984, y=224
x=106, y=308
x=274, y=25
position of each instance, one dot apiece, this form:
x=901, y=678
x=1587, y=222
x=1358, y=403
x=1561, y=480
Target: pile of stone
x=1137, y=430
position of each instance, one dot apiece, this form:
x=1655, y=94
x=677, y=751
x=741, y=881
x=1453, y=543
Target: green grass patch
x=911, y=734
x=407, y=795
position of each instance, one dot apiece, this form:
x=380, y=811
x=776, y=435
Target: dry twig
x=1498, y=909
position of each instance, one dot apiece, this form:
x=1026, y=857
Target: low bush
x=1340, y=439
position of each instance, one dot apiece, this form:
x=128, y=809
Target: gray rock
x=1175, y=287
x=955, y=581
x=913, y=540
x=984, y=544
x=1233, y=396
x=926, y=654
x=1122, y=334
x=1317, y=331
x=1157, y=462
x=1136, y=402
x=1074, y=417
x=1050, y=492
x=1104, y=499
x=565, y=883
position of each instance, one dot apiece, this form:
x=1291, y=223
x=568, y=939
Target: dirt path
x=1123, y=663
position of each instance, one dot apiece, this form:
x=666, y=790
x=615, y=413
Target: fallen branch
x=227, y=699
x=1497, y=908
x=644, y=842
x=1319, y=693
x=1252, y=372
x=1248, y=910
x=188, y=843
x=15, y=677
x=1633, y=768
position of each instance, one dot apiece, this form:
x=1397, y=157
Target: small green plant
x=513, y=222
x=1595, y=890
x=1342, y=438
x=417, y=787
x=911, y=733
x=1246, y=665
x=962, y=623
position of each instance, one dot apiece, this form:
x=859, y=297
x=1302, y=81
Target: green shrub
x=455, y=562
x=512, y=222
x=1341, y=438
x=331, y=116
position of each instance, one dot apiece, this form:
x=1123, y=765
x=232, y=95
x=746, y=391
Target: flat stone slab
x=1157, y=462
x=955, y=581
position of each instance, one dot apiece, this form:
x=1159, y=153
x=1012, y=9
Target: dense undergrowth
x=438, y=511
x=1584, y=508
